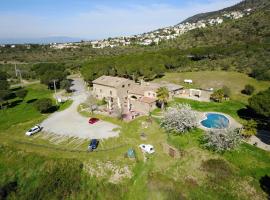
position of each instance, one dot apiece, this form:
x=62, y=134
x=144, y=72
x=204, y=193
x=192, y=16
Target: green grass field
x=43, y=169
x=217, y=79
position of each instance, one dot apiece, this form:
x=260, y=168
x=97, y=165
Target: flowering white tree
x=222, y=140
x=179, y=119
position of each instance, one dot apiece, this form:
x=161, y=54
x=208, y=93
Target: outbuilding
x=189, y=81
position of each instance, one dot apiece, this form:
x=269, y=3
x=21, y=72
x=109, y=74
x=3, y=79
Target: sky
x=96, y=19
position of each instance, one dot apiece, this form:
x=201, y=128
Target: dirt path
x=70, y=123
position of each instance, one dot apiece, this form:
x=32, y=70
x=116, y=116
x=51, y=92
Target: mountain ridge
x=246, y=4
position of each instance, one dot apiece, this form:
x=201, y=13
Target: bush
x=44, y=105
x=66, y=84
x=222, y=140
x=218, y=95
x=58, y=180
x=250, y=128
x=260, y=103
x=218, y=169
x=248, y=90
x=21, y=93
x=226, y=91
x=179, y=119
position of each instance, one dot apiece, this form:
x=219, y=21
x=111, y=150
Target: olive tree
x=260, y=103
x=222, y=140
x=43, y=105
x=179, y=119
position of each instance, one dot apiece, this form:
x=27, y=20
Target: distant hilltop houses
x=154, y=37
x=168, y=33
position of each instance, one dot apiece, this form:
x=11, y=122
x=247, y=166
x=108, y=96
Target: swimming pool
x=214, y=120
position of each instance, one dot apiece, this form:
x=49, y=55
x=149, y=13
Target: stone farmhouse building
x=125, y=94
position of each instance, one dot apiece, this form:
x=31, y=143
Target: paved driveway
x=70, y=123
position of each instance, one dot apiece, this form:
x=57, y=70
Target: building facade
x=125, y=94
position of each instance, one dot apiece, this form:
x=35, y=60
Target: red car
x=93, y=120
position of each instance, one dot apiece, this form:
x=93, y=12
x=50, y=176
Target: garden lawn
x=217, y=79
x=228, y=107
x=203, y=174
x=25, y=111
x=198, y=174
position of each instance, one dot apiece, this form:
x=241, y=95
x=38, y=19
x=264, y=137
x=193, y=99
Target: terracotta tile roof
x=110, y=81
x=148, y=100
x=140, y=89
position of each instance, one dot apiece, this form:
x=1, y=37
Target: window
x=149, y=93
x=123, y=86
x=100, y=90
x=154, y=95
x=110, y=92
x=129, y=85
x=133, y=97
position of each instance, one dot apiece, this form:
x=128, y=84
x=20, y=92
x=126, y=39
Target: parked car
x=93, y=120
x=147, y=148
x=33, y=130
x=93, y=144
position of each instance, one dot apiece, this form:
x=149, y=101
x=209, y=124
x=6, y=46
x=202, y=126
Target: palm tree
x=163, y=96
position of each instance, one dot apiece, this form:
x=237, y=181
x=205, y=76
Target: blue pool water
x=214, y=120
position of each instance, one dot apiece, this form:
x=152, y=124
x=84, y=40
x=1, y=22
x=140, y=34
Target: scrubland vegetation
x=234, y=54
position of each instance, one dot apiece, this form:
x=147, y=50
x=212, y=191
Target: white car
x=33, y=130
x=147, y=148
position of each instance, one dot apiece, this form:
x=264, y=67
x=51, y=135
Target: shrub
x=66, y=84
x=57, y=180
x=222, y=140
x=248, y=90
x=218, y=96
x=218, y=169
x=260, y=103
x=43, y=105
x=179, y=119
x=102, y=102
x=250, y=128
x=21, y=93
x=226, y=91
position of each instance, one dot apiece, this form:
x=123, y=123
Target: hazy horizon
x=85, y=19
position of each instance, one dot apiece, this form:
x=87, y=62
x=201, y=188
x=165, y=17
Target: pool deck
x=232, y=122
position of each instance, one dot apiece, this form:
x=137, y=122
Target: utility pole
x=20, y=77
x=54, y=85
x=16, y=74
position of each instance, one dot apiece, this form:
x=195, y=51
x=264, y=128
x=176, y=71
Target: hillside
x=247, y=4
x=235, y=44
x=240, y=45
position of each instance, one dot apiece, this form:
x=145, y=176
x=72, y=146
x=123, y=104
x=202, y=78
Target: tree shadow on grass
x=7, y=189
x=14, y=103
x=265, y=184
x=52, y=109
x=247, y=113
x=10, y=96
x=15, y=89
x=264, y=136
x=31, y=101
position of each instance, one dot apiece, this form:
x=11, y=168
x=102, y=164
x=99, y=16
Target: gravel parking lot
x=70, y=123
